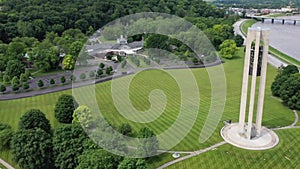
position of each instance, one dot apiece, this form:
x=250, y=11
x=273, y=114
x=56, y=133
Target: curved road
x=271, y=59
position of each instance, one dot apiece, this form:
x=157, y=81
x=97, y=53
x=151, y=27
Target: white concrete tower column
x=253, y=84
x=262, y=85
x=243, y=104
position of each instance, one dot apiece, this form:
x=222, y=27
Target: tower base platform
x=268, y=138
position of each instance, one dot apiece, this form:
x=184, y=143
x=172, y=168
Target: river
x=285, y=38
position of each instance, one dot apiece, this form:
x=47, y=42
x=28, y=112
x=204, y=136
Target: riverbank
x=275, y=52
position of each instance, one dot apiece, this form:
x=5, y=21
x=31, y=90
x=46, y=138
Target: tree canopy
x=33, y=119
x=6, y=134
x=64, y=108
x=287, y=86
x=68, y=143
x=32, y=149
x=99, y=159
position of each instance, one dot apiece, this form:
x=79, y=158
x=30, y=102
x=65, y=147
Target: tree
x=34, y=119
x=15, y=87
x=52, y=81
x=64, y=108
x=100, y=159
x=32, y=149
x=82, y=76
x=102, y=65
x=125, y=129
x=239, y=40
x=2, y=88
x=284, y=74
x=27, y=73
x=133, y=163
x=75, y=48
x=92, y=74
x=228, y=49
x=23, y=77
x=123, y=64
x=108, y=70
x=15, y=81
x=195, y=60
x=290, y=91
x=6, y=134
x=40, y=83
x=119, y=58
x=99, y=72
x=68, y=62
x=147, y=147
x=68, y=143
x=63, y=79
x=26, y=86
x=6, y=78
x=73, y=78
x=83, y=115
x=14, y=68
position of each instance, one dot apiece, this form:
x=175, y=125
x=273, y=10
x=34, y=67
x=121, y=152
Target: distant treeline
x=33, y=18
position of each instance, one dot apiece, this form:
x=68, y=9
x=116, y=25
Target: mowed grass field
x=275, y=114
x=284, y=156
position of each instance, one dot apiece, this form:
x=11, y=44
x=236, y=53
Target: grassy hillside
x=275, y=114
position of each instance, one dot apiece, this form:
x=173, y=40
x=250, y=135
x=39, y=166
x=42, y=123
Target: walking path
x=6, y=164
x=293, y=125
x=192, y=154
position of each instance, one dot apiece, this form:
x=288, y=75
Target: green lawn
x=276, y=15
x=284, y=155
x=275, y=114
x=247, y=24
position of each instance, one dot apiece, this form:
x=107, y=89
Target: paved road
x=6, y=164
x=271, y=59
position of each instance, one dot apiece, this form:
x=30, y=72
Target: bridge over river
x=294, y=19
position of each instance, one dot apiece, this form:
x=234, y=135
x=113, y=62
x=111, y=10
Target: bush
x=64, y=108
